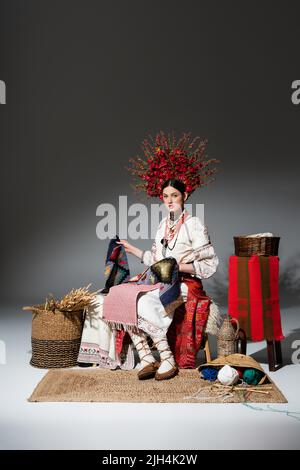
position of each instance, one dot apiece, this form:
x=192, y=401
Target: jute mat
x=102, y=385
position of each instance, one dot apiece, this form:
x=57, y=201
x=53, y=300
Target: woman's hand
x=186, y=268
x=130, y=248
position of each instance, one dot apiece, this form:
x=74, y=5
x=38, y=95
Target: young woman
x=183, y=237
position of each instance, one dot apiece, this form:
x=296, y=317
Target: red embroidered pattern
x=186, y=330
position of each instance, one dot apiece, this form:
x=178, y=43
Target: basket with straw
x=57, y=328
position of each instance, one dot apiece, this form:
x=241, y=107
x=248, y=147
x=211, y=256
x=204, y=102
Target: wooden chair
x=206, y=349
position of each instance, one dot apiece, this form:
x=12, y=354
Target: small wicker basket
x=55, y=337
x=230, y=339
x=262, y=246
x=226, y=338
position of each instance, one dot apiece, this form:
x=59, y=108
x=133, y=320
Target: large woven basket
x=237, y=360
x=55, y=338
x=262, y=246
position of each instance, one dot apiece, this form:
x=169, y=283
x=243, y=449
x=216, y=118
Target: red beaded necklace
x=170, y=232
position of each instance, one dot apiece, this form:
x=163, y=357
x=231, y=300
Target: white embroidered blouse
x=192, y=246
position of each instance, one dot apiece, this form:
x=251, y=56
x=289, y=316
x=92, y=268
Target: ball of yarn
x=240, y=372
x=209, y=373
x=252, y=376
x=228, y=375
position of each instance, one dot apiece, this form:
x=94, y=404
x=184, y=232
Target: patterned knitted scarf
x=116, y=265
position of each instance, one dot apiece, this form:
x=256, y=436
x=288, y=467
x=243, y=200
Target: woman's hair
x=177, y=184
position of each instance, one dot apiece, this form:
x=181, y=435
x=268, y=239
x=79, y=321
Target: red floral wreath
x=167, y=158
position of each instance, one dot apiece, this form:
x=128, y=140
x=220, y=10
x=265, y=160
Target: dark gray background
x=88, y=81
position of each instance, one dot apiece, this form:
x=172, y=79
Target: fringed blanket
x=119, y=307
x=253, y=296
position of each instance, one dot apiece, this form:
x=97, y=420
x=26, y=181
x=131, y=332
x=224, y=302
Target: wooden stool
x=274, y=355
x=241, y=342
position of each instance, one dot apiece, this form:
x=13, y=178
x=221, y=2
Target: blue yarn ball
x=209, y=373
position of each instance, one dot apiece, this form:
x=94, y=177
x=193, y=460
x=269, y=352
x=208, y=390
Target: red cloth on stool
x=185, y=333
x=253, y=296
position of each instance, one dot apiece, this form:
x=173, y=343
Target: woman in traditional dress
x=185, y=238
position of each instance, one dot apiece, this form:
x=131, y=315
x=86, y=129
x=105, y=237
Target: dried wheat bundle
x=74, y=301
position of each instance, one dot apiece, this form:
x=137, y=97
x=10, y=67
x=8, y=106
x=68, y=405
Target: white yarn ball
x=228, y=376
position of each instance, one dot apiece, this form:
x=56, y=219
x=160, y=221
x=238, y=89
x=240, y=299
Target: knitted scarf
x=116, y=265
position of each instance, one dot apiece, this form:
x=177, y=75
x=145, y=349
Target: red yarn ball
x=240, y=372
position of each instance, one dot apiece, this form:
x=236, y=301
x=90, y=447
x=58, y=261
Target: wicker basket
x=55, y=338
x=238, y=360
x=262, y=246
x=227, y=336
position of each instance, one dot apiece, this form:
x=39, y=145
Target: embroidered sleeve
x=152, y=256
x=205, y=260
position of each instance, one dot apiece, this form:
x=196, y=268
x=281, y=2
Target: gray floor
x=25, y=425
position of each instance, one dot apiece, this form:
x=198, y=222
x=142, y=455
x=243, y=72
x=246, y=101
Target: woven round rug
x=103, y=385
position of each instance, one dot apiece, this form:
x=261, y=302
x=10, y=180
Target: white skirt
x=151, y=314
x=98, y=336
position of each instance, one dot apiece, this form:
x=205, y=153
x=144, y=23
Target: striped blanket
x=253, y=296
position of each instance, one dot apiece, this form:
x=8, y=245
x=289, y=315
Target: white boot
x=148, y=364
x=168, y=367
